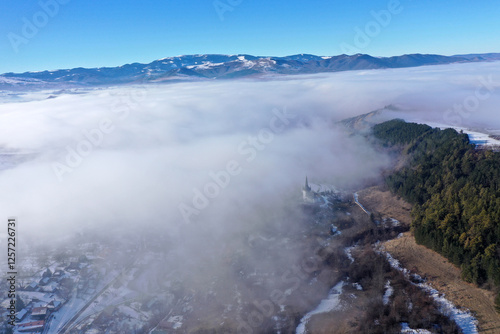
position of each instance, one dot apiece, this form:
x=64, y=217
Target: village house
x=31, y=327
x=39, y=313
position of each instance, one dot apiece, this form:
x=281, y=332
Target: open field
x=378, y=199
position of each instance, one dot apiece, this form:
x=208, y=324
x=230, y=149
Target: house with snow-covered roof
x=39, y=313
x=32, y=326
x=21, y=315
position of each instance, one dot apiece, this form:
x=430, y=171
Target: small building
x=39, y=313
x=52, y=287
x=32, y=286
x=58, y=273
x=44, y=281
x=21, y=314
x=54, y=305
x=73, y=267
x=32, y=326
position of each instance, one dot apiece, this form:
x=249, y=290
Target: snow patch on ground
x=389, y=290
x=318, y=188
x=356, y=199
x=246, y=63
x=326, y=202
x=205, y=66
x=405, y=328
x=334, y=229
x=394, y=222
x=331, y=303
x=16, y=81
x=475, y=137
x=348, y=252
x=176, y=321
x=464, y=319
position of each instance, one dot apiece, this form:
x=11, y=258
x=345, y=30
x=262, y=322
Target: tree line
x=455, y=192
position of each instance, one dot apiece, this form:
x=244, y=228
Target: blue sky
x=111, y=32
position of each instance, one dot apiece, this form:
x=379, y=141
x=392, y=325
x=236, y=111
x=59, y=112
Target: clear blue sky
x=93, y=33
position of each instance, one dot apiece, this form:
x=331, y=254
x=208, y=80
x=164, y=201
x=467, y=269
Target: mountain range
x=215, y=66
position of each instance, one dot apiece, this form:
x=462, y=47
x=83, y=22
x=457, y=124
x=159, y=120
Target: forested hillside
x=455, y=190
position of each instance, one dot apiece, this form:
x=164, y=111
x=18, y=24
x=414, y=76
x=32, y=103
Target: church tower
x=306, y=187
x=307, y=194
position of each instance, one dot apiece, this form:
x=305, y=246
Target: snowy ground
x=75, y=305
x=389, y=290
x=318, y=188
x=475, y=137
x=405, y=329
x=356, y=199
x=464, y=319
x=331, y=303
x=391, y=222
x=348, y=253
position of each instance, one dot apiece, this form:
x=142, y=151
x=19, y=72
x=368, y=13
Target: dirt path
x=441, y=274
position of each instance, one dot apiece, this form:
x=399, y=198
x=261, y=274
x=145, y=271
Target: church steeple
x=306, y=187
x=308, y=195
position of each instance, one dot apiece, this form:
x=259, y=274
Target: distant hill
x=480, y=56
x=364, y=123
x=214, y=66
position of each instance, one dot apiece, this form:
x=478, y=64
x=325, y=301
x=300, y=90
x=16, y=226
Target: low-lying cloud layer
x=208, y=153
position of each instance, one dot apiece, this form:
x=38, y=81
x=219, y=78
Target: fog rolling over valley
x=110, y=158
x=189, y=194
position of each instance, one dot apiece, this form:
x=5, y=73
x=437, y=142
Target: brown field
x=378, y=199
x=440, y=273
